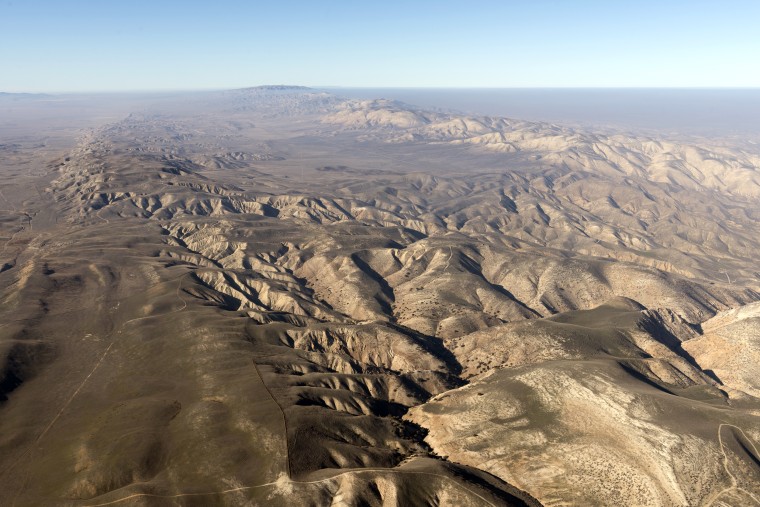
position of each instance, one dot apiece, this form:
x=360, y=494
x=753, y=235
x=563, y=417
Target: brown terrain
x=275, y=296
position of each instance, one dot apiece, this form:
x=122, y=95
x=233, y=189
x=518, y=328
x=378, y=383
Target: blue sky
x=153, y=45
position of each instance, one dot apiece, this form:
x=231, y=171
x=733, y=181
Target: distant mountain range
x=9, y=95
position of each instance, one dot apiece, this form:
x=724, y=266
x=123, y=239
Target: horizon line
x=365, y=87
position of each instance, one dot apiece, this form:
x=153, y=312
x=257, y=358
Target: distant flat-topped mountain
x=278, y=88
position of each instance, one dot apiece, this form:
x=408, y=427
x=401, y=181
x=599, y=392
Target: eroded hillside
x=274, y=296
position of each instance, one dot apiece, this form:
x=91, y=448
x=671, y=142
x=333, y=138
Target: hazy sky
x=164, y=44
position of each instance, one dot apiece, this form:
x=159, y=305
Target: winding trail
x=100, y=217
x=734, y=481
x=451, y=253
